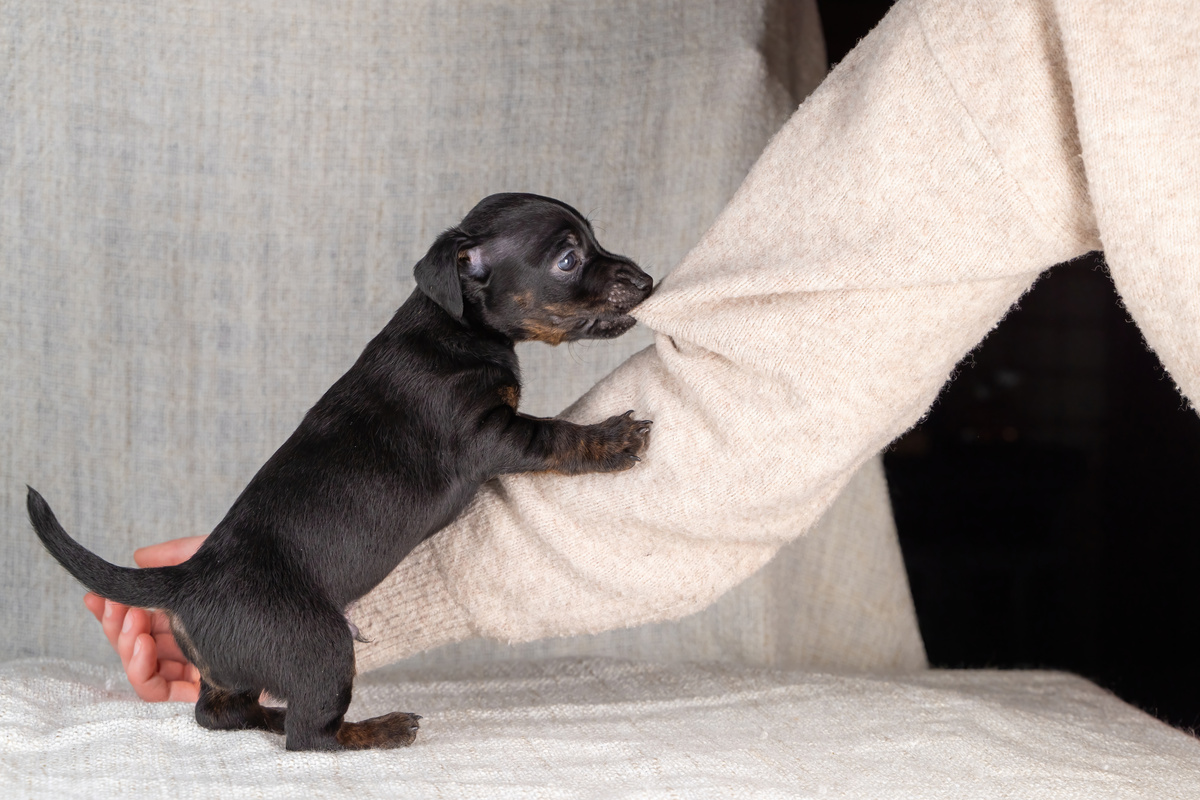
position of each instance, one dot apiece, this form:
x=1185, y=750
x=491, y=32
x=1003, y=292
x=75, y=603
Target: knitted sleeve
x=885, y=230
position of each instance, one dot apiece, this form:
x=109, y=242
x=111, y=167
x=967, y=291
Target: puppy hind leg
x=313, y=720
x=321, y=726
x=316, y=721
x=222, y=710
x=318, y=684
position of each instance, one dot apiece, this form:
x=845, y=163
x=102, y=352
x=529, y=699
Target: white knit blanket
x=606, y=729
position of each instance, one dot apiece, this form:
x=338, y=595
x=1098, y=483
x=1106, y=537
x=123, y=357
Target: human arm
x=887, y=228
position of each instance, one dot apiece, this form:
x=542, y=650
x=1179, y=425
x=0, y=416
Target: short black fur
x=386, y=458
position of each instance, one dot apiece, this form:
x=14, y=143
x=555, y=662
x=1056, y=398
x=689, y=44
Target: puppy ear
x=437, y=272
x=475, y=266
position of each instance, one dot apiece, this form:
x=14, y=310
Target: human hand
x=156, y=667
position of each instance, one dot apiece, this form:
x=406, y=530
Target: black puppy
x=390, y=455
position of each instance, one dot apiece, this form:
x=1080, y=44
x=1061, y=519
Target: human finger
x=173, y=670
x=112, y=621
x=142, y=670
x=95, y=604
x=168, y=553
x=168, y=648
x=136, y=623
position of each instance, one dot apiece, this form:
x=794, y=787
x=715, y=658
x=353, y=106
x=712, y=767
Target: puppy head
x=530, y=267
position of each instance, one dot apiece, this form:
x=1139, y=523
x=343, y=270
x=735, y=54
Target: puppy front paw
x=621, y=441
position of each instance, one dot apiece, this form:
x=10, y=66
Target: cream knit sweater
x=961, y=149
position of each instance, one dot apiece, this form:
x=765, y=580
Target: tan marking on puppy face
x=568, y=310
x=542, y=331
x=511, y=395
x=524, y=300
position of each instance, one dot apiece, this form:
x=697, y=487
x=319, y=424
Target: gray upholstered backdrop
x=207, y=208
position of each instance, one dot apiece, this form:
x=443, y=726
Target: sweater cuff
x=411, y=611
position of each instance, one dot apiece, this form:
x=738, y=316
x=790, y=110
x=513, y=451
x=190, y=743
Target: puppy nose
x=640, y=280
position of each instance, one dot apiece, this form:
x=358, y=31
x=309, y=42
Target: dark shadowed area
x=1048, y=504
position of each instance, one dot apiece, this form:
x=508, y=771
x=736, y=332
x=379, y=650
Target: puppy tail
x=144, y=588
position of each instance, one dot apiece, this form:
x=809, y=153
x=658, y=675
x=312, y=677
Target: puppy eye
x=568, y=262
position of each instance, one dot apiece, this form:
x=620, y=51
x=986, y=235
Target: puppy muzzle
x=629, y=287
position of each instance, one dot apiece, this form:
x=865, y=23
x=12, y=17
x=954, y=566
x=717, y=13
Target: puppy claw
x=620, y=439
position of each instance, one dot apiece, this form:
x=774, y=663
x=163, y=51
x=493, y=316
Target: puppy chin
x=606, y=327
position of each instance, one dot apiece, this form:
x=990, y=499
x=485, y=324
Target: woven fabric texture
x=593, y=728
